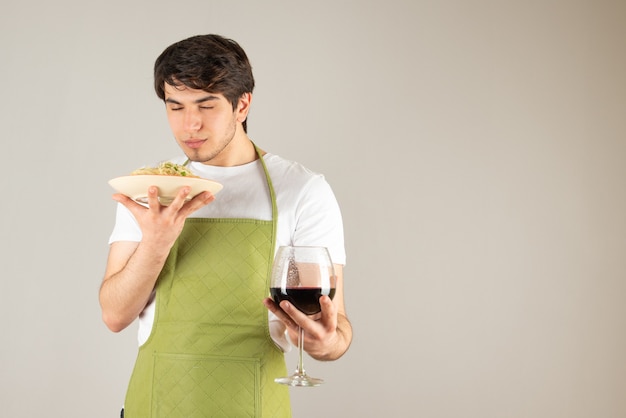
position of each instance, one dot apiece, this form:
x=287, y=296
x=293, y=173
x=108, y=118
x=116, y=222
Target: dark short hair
x=205, y=62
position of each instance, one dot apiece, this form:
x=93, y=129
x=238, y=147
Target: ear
x=243, y=107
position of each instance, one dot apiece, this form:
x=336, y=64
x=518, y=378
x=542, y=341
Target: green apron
x=210, y=353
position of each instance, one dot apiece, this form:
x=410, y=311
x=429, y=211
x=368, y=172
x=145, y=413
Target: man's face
x=204, y=124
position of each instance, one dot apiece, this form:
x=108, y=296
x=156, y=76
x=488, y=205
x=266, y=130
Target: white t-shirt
x=308, y=214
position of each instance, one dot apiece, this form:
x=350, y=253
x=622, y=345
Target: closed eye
x=175, y=105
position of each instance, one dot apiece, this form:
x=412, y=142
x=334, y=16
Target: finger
x=275, y=309
x=130, y=204
x=197, y=202
x=180, y=199
x=297, y=316
x=122, y=198
x=329, y=312
x=271, y=305
x=153, y=198
x=280, y=314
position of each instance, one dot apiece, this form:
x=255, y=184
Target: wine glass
x=301, y=275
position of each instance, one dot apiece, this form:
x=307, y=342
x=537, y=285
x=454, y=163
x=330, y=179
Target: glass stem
x=300, y=369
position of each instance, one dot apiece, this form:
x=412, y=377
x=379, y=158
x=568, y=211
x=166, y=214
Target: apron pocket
x=189, y=386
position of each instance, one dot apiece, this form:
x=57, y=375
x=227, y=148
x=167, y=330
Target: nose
x=192, y=121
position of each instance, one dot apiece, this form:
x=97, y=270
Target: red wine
x=306, y=299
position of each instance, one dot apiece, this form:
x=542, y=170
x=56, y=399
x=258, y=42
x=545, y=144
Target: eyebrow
x=198, y=101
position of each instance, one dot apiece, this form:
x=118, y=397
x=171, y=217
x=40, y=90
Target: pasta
x=165, y=169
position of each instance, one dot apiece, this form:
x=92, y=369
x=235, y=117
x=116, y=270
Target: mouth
x=194, y=143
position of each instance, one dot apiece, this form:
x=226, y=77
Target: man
x=195, y=272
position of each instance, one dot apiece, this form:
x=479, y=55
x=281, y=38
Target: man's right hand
x=161, y=225
x=133, y=267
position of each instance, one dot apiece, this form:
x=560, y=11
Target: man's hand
x=327, y=335
x=161, y=225
x=133, y=267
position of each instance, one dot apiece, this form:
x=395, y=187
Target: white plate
x=136, y=187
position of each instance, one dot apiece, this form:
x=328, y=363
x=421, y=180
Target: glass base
x=299, y=380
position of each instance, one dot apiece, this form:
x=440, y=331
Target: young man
x=195, y=272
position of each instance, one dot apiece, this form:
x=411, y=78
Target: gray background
x=477, y=148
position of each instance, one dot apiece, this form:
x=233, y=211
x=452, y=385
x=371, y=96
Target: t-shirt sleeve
x=126, y=227
x=318, y=219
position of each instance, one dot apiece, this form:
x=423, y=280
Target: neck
x=239, y=151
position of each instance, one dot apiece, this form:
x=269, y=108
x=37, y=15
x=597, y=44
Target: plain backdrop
x=477, y=149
